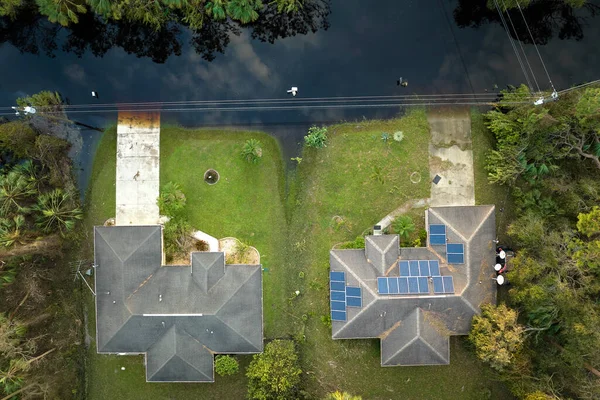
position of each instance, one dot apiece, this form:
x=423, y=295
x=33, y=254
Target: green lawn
x=334, y=195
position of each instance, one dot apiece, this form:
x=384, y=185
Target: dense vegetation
x=157, y=14
x=39, y=323
x=549, y=156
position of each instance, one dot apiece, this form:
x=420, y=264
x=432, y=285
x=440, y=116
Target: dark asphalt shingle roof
x=180, y=316
x=415, y=329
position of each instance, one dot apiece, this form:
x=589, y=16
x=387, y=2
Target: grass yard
x=334, y=195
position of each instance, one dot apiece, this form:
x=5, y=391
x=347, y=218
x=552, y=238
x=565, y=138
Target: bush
x=317, y=137
x=176, y=235
x=18, y=138
x=226, y=365
x=274, y=374
x=358, y=243
x=398, y=136
x=171, y=200
x=403, y=226
x=252, y=151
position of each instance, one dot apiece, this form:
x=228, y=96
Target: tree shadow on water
x=31, y=33
x=546, y=18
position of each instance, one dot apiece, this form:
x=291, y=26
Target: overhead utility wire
x=282, y=100
x=579, y=86
x=535, y=45
x=282, y=108
x=500, y=13
x=522, y=48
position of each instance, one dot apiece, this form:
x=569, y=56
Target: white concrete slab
x=138, y=168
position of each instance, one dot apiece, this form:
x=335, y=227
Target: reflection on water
x=546, y=19
x=30, y=32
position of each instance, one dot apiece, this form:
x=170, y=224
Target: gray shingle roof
x=179, y=316
x=415, y=329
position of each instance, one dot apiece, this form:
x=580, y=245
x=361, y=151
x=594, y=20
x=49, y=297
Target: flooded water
x=356, y=49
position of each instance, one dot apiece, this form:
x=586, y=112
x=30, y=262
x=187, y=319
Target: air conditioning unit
x=377, y=231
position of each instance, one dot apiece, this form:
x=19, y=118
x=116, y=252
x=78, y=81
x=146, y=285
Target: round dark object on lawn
x=211, y=177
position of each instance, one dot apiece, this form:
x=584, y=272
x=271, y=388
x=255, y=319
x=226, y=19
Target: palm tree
x=216, y=9
x=15, y=189
x=32, y=173
x=56, y=211
x=252, y=152
x=244, y=11
x=337, y=395
x=11, y=231
x=403, y=226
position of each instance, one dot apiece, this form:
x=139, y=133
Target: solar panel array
x=414, y=279
x=455, y=253
x=342, y=296
x=437, y=234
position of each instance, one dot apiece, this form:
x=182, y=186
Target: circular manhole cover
x=211, y=177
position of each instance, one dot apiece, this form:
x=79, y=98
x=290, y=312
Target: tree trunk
x=49, y=246
x=586, y=365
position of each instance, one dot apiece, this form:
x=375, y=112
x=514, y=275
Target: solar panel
x=438, y=285
x=435, y=229
x=340, y=286
x=393, y=285
x=434, y=267
x=437, y=239
x=382, y=286
x=413, y=285
x=423, y=285
x=338, y=305
x=403, y=285
x=354, y=301
x=404, y=268
x=353, y=291
x=448, y=284
x=456, y=258
x=455, y=248
x=336, y=276
x=424, y=268
x=338, y=315
x=414, y=268
x=338, y=296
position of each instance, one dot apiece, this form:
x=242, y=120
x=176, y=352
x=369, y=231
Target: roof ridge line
x=121, y=327
x=139, y=245
x=426, y=343
x=167, y=360
x=237, y=290
x=448, y=225
x=411, y=341
x=230, y=327
x=483, y=220
x=374, y=244
x=364, y=309
x=353, y=274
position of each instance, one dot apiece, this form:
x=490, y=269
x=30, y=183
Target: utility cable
x=535, y=45
x=522, y=48
x=579, y=86
x=282, y=108
x=500, y=13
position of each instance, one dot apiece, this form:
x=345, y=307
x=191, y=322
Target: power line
x=500, y=13
x=285, y=108
x=535, y=45
x=522, y=49
x=280, y=100
x=579, y=86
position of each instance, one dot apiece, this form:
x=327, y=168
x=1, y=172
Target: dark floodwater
x=439, y=46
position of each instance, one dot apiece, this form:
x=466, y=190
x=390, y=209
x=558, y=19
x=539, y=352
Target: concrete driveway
x=451, y=157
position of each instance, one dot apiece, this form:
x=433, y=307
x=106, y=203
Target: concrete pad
x=451, y=157
x=138, y=168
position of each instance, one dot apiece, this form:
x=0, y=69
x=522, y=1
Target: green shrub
x=317, y=137
x=252, y=151
x=226, y=365
x=274, y=374
x=18, y=138
x=398, y=136
x=358, y=243
x=403, y=226
x=175, y=236
x=171, y=200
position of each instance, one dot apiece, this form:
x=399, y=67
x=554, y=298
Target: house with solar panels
x=414, y=299
x=178, y=316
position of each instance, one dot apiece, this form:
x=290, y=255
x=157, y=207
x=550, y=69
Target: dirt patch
x=440, y=164
x=190, y=245
x=237, y=252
